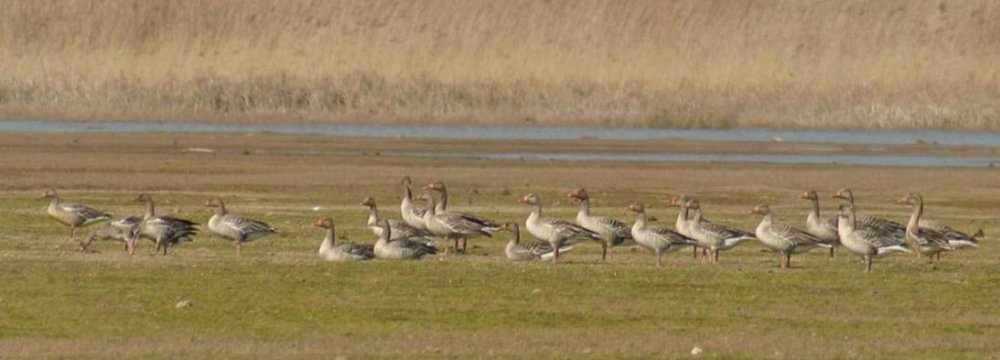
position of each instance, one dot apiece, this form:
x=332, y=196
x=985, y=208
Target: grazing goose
x=557, y=232
x=867, y=243
x=400, y=230
x=613, y=232
x=412, y=214
x=401, y=249
x=330, y=250
x=534, y=250
x=73, y=215
x=713, y=237
x=682, y=225
x=442, y=207
x=235, y=227
x=869, y=222
x=783, y=238
x=125, y=229
x=927, y=241
x=657, y=238
x=455, y=226
x=825, y=229
x=165, y=231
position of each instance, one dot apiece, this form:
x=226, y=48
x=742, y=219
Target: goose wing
x=568, y=230
x=411, y=248
x=366, y=251
x=86, y=212
x=247, y=225
x=881, y=225
x=671, y=235
x=618, y=228
x=403, y=230
x=466, y=224
x=723, y=232
x=795, y=236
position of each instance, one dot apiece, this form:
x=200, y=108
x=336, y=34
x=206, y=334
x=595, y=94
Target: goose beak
x=804, y=196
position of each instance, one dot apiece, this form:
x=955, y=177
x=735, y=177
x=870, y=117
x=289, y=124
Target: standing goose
x=869, y=222
x=557, y=232
x=235, y=227
x=534, y=250
x=867, y=243
x=713, y=237
x=683, y=224
x=411, y=213
x=400, y=230
x=401, y=249
x=927, y=241
x=783, y=238
x=73, y=215
x=330, y=250
x=612, y=232
x=657, y=238
x=165, y=231
x=825, y=229
x=454, y=225
x=442, y=208
x=125, y=229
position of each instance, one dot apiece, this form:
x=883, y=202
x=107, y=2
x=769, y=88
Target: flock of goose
x=411, y=237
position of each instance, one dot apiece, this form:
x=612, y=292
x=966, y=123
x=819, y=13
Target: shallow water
x=483, y=132
x=491, y=132
x=879, y=160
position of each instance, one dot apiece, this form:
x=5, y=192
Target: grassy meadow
x=688, y=63
x=279, y=300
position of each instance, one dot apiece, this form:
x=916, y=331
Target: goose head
x=435, y=186
x=578, y=195
x=48, y=193
x=407, y=181
x=809, y=195
x=637, y=207
x=678, y=201
x=511, y=226
x=530, y=199
x=761, y=209
x=913, y=199
x=844, y=194
x=368, y=201
x=214, y=202
x=326, y=223
x=143, y=198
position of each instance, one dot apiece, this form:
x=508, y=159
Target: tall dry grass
x=694, y=63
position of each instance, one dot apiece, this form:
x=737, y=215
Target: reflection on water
x=488, y=132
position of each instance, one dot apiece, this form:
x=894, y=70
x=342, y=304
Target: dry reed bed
x=820, y=64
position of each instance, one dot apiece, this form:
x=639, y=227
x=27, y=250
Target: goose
x=235, y=227
x=957, y=239
x=612, y=232
x=927, y=241
x=73, y=215
x=400, y=230
x=125, y=229
x=330, y=250
x=534, y=250
x=825, y=229
x=454, y=225
x=412, y=214
x=556, y=231
x=657, y=238
x=442, y=207
x=713, y=237
x=401, y=249
x=865, y=242
x=165, y=231
x=783, y=238
x=881, y=225
x=682, y=225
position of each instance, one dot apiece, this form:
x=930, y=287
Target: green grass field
x=279, y=300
